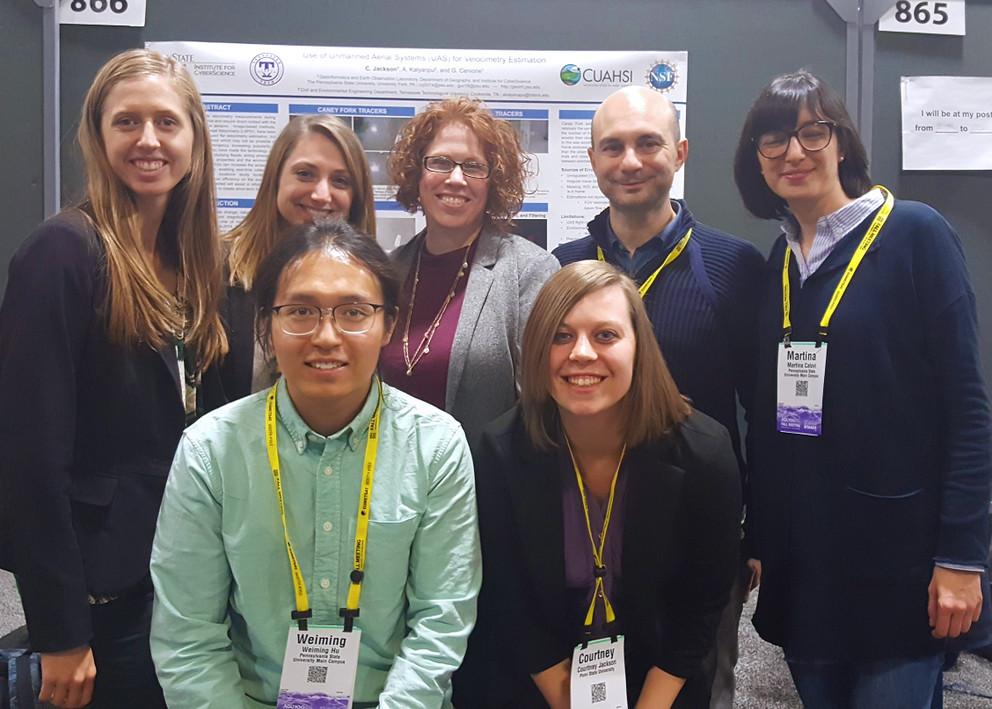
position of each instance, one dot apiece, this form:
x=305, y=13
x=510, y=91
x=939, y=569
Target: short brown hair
x=653, y=405
x=499, y=141
x=777, y=108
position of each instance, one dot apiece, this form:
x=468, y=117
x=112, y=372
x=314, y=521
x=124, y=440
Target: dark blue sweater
x=703, y=309
x=848, y=524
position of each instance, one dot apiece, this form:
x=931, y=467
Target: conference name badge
x=319, y=668
x=802, y=367
x=598, y=676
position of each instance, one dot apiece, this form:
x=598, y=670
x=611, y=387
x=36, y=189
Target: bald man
x=702, y=303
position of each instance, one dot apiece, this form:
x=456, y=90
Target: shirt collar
x=301, y=433
x=838, y=224
x=661, y=238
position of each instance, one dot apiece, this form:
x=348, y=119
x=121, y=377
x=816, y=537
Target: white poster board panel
x=251, y=92
x=946, y=123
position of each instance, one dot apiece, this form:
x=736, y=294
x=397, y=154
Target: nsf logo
x=662, y=76
x=570, y=74
x=266, y=69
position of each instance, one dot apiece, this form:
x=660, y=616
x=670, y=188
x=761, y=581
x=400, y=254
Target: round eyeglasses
x=470, y=168
x=812, y=137
x=303, y=320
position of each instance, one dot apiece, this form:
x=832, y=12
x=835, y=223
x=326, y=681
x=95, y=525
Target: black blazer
x=238, y=313
x=681, y=536
x=88, y=430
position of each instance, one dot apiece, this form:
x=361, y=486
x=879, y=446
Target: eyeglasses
x=349, y=318
x=813, y=137
x=470, y=168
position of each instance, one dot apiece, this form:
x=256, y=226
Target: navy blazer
x=88, y=432
x=681, y=535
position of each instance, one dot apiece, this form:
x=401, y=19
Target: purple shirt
x=429, y=379
x=579, y=578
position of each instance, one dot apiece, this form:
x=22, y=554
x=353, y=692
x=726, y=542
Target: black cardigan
x=88, y=430
x=681, y=536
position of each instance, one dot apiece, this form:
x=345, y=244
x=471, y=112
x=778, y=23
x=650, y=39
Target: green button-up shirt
x=223, y=587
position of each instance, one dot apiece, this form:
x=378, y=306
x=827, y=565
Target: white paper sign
x=924, y=17
x=598, y=676
x=127, y=13
x=946, y=123
x=250, y=91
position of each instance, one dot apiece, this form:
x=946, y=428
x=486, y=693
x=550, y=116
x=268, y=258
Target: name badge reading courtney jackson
x=802, y=367
x=319, y=668
x=599, y=679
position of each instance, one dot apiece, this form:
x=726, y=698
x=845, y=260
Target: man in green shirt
x=223, y=578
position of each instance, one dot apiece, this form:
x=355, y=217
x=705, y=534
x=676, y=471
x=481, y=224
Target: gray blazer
x=504, y=279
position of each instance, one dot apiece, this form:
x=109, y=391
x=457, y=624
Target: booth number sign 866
x=115, y=6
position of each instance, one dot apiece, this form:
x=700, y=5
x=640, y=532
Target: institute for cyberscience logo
x=266, y=69
x=662, y=76
x=570, y=74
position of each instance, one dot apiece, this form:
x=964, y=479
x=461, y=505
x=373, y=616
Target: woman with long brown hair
x=107, y=330
x=316, y=170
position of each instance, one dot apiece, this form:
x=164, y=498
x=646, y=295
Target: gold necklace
x=425, y=342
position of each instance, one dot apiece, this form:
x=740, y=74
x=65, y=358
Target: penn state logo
x=266, y=69
x=662, y=76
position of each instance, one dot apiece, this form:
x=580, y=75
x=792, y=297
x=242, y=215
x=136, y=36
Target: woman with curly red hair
x=469, y=283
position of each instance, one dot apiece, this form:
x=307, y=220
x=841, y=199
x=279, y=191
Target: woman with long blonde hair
x=316, y=171
x=107, y=330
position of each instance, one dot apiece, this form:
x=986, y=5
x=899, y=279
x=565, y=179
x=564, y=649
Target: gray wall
x=734, y=48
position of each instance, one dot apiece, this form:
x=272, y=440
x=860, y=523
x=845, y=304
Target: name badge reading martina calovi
x=319, y=668
x=802, y=367
x=598, y=676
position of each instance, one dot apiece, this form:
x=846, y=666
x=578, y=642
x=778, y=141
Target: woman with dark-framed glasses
x=468, y=283
x=870, y=460
x=331, y=499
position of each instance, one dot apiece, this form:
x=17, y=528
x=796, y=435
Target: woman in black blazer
x=598, y=405
x=108, y=326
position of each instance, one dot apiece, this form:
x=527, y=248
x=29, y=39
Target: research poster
x=946, y=123
x=251, y=91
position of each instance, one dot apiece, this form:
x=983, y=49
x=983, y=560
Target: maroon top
x=429, y=378
x=579, y=578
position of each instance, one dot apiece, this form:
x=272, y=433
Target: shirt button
x=327, y=470
x=325, y=583
x=328, y=526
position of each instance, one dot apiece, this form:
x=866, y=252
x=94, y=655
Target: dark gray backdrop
x=734, y=47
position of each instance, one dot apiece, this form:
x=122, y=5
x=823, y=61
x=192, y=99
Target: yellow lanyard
x=599, y=570
x=845, y=280
x=672, y=255
x=303, y=611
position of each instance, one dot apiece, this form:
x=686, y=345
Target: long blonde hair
x=255, y=237
x=140, y=309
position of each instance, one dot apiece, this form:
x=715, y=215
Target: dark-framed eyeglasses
x=470, y=168
x=349, y=318
x=812, y=137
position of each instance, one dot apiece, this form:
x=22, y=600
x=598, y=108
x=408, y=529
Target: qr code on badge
x=802, y=388
x=316, y=674
x=598, y=692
